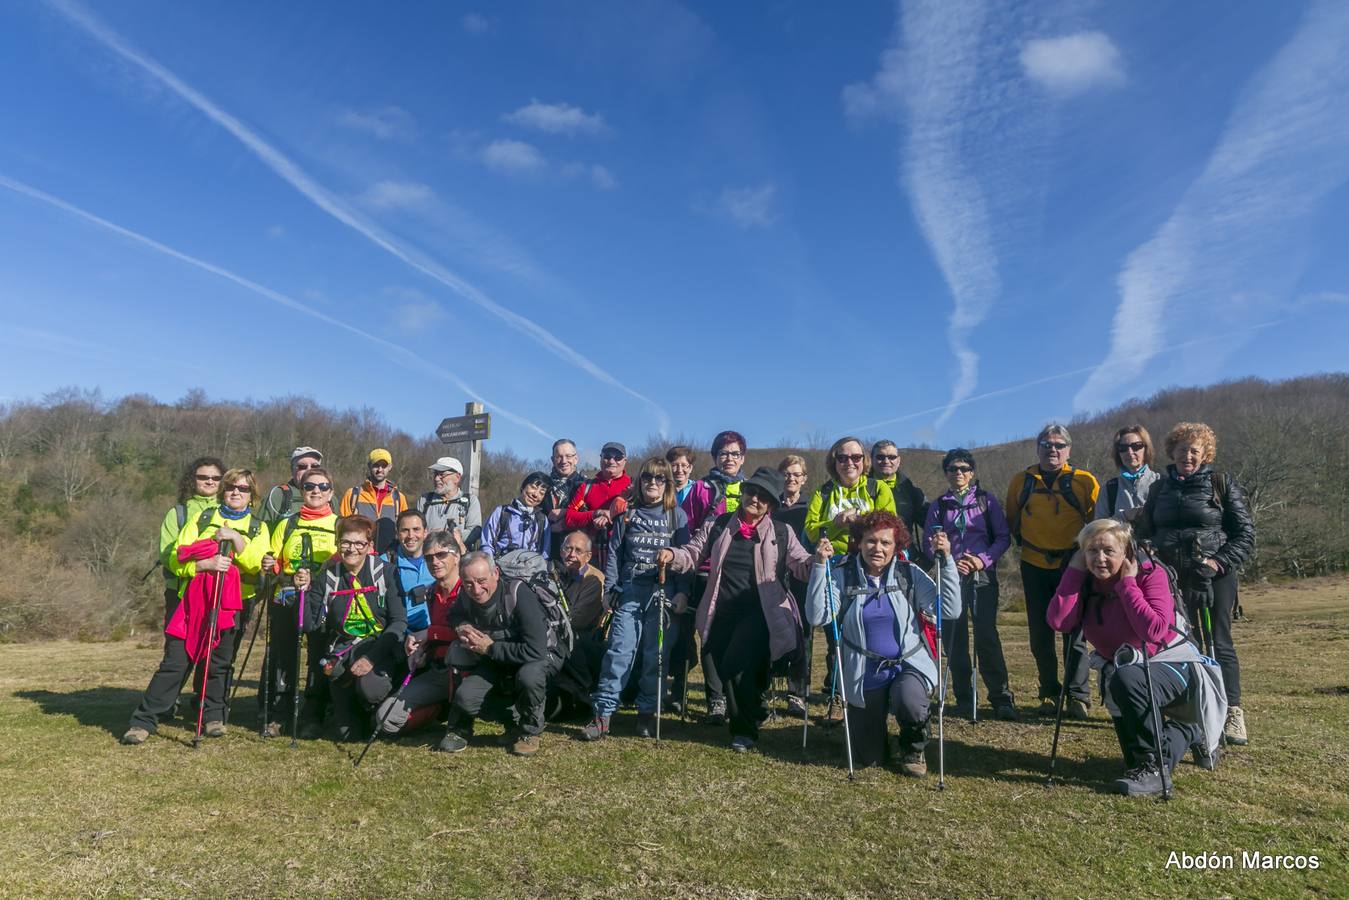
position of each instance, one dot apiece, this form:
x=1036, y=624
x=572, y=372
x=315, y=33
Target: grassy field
x=242, y=817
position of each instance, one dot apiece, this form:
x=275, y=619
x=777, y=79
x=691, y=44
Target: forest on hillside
x=85, y=480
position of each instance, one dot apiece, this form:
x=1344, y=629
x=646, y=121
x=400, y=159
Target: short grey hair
x=440, y=540
x=1054, y=429
x=476, y=556
x=589, y=544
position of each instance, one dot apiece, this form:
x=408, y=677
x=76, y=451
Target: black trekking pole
x=231, y=684
x=212, y=626
x=306, y=556
x=265, y=678
x=974, y=651
x=691, y=645
x=1156, y=723
x=1068, y=640
x=379, y=725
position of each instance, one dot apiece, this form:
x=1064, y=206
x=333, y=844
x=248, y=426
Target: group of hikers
x=381, y=613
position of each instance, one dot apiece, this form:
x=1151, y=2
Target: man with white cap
x=447, y=508
x=285, y=500
x=378, y=499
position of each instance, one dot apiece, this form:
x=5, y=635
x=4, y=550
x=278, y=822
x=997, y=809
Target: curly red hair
x=878, y=520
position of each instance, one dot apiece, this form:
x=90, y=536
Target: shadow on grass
x=108, y=708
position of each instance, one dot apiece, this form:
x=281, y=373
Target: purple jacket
x=975, y=540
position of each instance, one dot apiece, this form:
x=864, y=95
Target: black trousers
x=353, y=698
x=526, y=687
x=737, y=649
x=1137, y=738
x=979, y=603
x=285, y=667
x=1220, y=616
x=1040, y=585
x=905, y=698
x=172, y=674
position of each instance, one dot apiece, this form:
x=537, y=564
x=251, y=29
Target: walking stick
x=941, y=688
x=692, y=644
x=212, y=625
x=306, y=556
x=379, y=725
x=659, y=598
x=805, y=694
x=1156, y=723
x=838, y=664
x=1058, y=715
x=974, y=652
x=248, y=653
x=264, y=685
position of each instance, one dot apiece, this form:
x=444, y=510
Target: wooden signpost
x=464, y=436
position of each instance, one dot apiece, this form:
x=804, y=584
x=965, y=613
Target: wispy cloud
x=596, y=174
x=476, y=23
x=396, y=353
x=386, y=123
x=413, y=312
x=557, y=118
x=1240, y=233
x=511, y=157
x=1073, y=63
x=398, y=195
x=749, y=207
x=325, y=200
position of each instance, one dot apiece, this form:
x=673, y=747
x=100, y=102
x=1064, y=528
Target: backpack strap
x=1112, y=493
x=180, y=513
x=1218, y=482
x=873, y=490
x=204, y=520
x=1066, y=488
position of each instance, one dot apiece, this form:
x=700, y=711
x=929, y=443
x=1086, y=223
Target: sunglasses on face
x=1053, y=445
x=653, y=479
x=440, y=555
x=854, y=458
x=304, y=467
x=754, y=497
x=317, y=486
x=886, y=457
x=238, y=489
x=611, y=457
x=208, y=478
x=1136, y=446
x=960, y=470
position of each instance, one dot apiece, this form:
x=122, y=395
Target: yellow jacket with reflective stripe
x=322, y=535
x=249, y=561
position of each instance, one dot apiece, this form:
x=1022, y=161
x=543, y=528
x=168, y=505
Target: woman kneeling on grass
x=1119, y=601
x=884, y=605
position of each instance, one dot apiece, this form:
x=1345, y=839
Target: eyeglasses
x=209, y=478
x=729, y=454
x=353, y=545
x=440, y=555
x=886, y=457
x=1136, y=446
x=613, y=456
x=1053, y=445
x=794, y=476
x=317, y=485
x=960, y=470
x=653, y=479
x=854, y=458
x=239, y=489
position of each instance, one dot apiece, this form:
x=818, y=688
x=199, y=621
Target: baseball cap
x=300, y=452
x=616, y=447
x=380, y=455
x=446, y=464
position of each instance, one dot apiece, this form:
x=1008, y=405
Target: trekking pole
x=379, y=725
x=306, y=555
x=660, y=646
x=1156, y=723
x=248, y=653
x=1058, y=714
x=213, y=624
x=805, y=692
x=974, y=653
x=690, y=645
x=264, y=685
x=941, y=687
x=838, y=664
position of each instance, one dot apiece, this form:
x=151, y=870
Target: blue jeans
x=634, y=624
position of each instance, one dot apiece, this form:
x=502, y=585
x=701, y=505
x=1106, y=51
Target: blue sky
x=937, y=221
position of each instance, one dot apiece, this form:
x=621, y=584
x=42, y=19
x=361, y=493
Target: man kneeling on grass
x=506, y=648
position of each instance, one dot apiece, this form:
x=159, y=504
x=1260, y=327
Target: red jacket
x=438, y=605
x=592, y=495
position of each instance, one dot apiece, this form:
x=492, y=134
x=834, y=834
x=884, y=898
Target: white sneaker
x=1235, y=729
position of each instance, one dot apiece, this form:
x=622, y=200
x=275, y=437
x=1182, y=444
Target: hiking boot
x=214, y=729
x=135, y=736
x=716, y=712
x=833, y=715
x=1049, y=706
x=1006, y=712
x=646, y=725
x=1079, y=710
x=914, y=765
x=1141, y=781
x=796, y=706
x=742, y=744
x=1205, y=760
x=674, y=706
x=1235, y=729
x=596, y=730
x=272, y=729
x=451, y=743
x=525, y=745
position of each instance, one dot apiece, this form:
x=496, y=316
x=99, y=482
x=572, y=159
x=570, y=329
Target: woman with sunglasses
x=747, y=619
x=1125, y=494
x=300, y=544
x=232, y=520
x=362, y=623
x=197, y=489
x=631, y=576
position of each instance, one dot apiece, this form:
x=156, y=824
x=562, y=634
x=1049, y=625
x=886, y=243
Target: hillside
x=84, y=481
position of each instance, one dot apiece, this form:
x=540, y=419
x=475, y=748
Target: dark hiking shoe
x=1141, y=781
x=1079, y=710
x=913, y=765
x=716, y=712
x=1006, y=712
x=214, y=729
x=598, y=729
x=833, y=714
x=1049, y=706
x=742, y=744
x=1205, y=760
x=1234, y=731
x=674, y=706
x=451, y=743
x=646, y=725
x=796, y=706
x=135, y=736
x=525, y=745
x=273, y=729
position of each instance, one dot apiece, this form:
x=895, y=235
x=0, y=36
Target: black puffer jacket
x=1185, y=514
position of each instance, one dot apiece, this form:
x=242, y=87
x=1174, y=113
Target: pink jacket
x=1119, y=611
x=779, y=608
x=191, y=620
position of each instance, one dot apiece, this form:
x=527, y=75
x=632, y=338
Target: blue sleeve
x=489, y=532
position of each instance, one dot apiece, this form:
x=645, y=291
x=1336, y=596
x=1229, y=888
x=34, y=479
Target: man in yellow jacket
x=378, y=499
x=1047, y=505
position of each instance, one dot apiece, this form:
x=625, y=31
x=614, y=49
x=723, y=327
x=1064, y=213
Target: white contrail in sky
x=325, y=200
x=397, y=354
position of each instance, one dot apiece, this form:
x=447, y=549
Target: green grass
x=243, y=817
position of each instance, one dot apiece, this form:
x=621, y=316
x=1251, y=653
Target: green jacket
x=174, y=522
x=820, y=516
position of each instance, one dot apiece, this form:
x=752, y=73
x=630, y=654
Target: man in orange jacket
x=378, y=499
